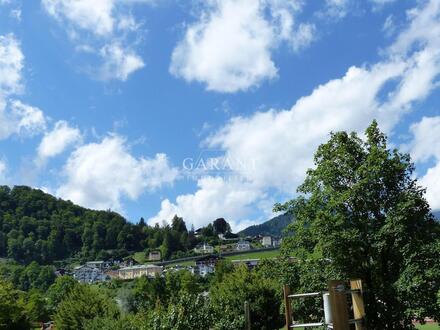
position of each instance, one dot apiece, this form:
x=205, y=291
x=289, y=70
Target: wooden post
x=287, y=306
x=338, y=301
x=358, y=303
x=247, y=316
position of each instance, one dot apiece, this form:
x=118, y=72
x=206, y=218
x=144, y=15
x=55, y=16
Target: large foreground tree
x=362, y=209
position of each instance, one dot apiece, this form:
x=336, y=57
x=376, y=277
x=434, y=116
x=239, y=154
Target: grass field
x=140, y=257
x=431, y=326
x=255, y=255
x=249, y=255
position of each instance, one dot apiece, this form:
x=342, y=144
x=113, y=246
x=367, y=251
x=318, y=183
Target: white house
x=88, y=274
x=276, y=242
x=204, y=248
x=266, y=241
x=136, y=271
x=98, y=264
x=204, y=270
x=243, y=246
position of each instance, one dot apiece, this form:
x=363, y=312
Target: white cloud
x=21, y=119
x=382, y=2
x=426, y=139
x=424, y=147
x=15, y=14
x=95, y=16
x=282, y=142
x=100, y=175
x=57, y=140
x=11, y=65
x=109, y=22
x=3, y=169
x=215, y=197
x=291, y=136
x=229, y=48
x=348, y=103
x=119, y=63
x=15, y=116
x=431, y=181
x=337, y=8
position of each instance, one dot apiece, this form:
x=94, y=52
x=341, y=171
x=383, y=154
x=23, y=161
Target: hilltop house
x=89, y=274
x=243, y=246
x=266, y=241
x=204, y=248
x=127, y=273
x=154, y=256
x=206, y=265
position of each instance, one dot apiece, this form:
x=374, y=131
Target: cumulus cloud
x=118, y=62
x=95, y=16
x=230, y=47
x=57, y=140
x=109, y=22
x=282, y=142
x=99, y=175
x=215, y=197
x=423, y=148
x=337, y=8
x=21, y=119
x=11, y=64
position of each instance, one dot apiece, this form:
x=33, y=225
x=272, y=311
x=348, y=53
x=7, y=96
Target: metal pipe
x=304, y=295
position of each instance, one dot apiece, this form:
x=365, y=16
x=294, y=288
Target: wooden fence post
x=287, y=306
x=358, y=303
x=339, y=307
x=247, y=316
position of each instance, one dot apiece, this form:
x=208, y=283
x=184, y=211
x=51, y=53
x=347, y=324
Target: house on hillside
x=276, y=242
x=243, y=245
x=128, y=262
x=60, y=272
x=111, y=273
x=204, y=248
x=266, y=241
x=198, y=232
x=99, y=264
x=249, y=263
x=128, y=273
x=154, y=256
x=206, y=265
x=88, y=274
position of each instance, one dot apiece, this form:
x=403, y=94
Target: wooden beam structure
x=287, y=306
x=358, y=303
x=339, y=306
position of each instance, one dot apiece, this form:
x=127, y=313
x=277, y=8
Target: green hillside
x=274, y=227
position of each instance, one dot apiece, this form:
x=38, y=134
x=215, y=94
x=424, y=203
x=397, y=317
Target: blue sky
x=208, y=108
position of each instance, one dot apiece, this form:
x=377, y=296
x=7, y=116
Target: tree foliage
x=82, y=304
x=12, y=308
x=262, y=294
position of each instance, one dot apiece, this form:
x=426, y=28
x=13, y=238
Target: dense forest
x=36, y=226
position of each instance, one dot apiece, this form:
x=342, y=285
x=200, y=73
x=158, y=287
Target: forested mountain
x=35, y=226
x=437, y=215
x=274, y=227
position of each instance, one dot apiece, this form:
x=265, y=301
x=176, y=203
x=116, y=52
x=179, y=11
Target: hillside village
x=205, y=260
